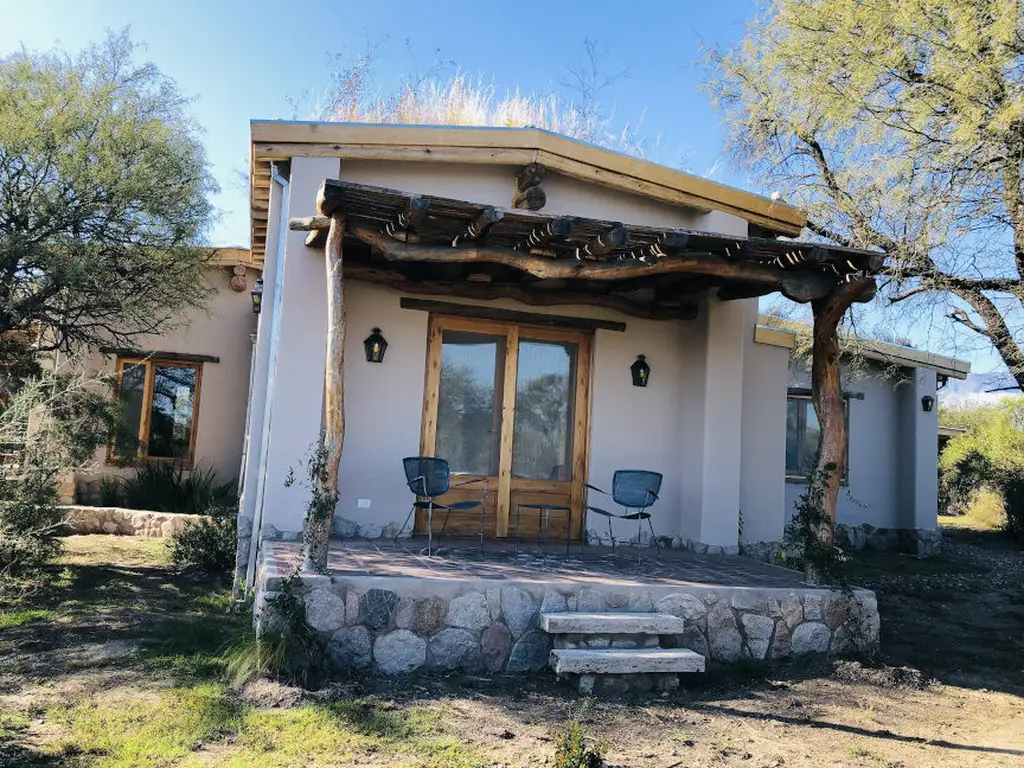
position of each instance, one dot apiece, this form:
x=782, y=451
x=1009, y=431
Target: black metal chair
x=428, y=478
x=632, y=489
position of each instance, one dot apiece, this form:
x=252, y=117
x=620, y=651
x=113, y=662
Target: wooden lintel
x=478, y=227
x=563, y=226
x=412, y=217
x=157, y=354
x=617, y=237
x=510, y=315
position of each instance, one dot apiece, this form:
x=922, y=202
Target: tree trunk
x=316, y=530
x=827, y=394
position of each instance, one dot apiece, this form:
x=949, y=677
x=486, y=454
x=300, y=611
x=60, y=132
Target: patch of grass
x=986, y=512
x=125, y=551
x=9, y=619
x=156, y=729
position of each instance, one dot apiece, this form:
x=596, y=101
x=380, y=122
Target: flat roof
x=894, y=354
x=272, y=140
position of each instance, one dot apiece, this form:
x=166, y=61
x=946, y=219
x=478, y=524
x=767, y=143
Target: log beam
x=798, y=286
x=668, y=244
x=316, y=528
x=528, y=193
x=413, y=217
x=827, y=395
x=545, y=233
x=479, y=226
x=617, y=237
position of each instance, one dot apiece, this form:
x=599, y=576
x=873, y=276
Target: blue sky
x=259, y=59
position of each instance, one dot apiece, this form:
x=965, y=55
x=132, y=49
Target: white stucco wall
x=222, y=329
x=763, y=461
x=892, y=451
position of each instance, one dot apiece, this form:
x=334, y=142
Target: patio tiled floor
x=460, y=559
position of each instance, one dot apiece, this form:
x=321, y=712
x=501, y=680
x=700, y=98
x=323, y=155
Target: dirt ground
x=105, y=663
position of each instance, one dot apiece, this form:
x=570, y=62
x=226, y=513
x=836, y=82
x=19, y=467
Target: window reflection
x=542, y=444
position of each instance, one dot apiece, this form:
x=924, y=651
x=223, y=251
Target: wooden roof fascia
x=499, y=145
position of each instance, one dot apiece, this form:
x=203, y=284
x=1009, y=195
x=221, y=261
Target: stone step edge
x=616, y=661
x=611, y=624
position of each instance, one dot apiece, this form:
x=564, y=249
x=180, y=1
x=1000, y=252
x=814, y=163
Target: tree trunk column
x=317, y=525
x=827, y=393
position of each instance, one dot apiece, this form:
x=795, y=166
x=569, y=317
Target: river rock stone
x=792, y=611
x=351, y=648
x=425, y=616
x=375, y=607
x=780, y=643
x=813, y=607
x=553, y=602
x=519, y=610
x=693, y=639
x=325, y=609
x=758, y=630
x=453, y=648
x=469, y=611
x=495, y=644
x=589, y=601
x=724, y=640
x=399, y=652
x=530, y=653
x=687, y=607
x=810, y=637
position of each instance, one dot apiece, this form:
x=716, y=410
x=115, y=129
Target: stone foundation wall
x=916, y=541
x=400, y=625
x=126, y=522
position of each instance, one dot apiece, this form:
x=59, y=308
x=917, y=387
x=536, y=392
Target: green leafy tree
x=103, y=198
x=897, y=124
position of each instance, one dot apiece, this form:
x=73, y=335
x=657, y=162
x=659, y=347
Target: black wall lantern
x=927, y=403
x=257, y=296
x=376, y=345
x=641, y=371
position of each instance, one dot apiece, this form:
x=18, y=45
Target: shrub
x=111, y=491
x=208, y=545
x=574, y=750
x=1012, y=487
x=30, y=522
x=288, y=649
x=164, y=487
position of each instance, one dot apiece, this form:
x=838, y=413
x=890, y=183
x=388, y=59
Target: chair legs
x=401, y=530
x=654, y=538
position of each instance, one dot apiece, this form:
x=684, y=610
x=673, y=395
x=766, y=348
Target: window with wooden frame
x=803, y=436
x=160, y=399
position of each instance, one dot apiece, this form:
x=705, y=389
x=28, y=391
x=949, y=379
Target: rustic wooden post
x=316, y=530
x=827, y=393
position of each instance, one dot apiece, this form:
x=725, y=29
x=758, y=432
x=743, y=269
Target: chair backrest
x=426, y=475
x=630, y=487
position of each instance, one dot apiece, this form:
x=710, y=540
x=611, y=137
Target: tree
x=897, y=124
x=103, y=198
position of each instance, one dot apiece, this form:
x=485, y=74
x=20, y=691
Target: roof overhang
x=278, y=140
x=890, y=354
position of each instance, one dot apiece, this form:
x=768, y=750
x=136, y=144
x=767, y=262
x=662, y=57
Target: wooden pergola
x=423, y=244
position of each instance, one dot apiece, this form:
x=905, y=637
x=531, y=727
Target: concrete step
x=611, y=624
x=616, y=661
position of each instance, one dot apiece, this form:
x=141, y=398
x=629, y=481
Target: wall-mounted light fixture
x=257, y=296
x=375, y=345
x=640, y=371
x=927, y=403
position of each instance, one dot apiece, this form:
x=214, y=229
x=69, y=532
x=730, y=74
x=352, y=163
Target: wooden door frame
x=437, y=324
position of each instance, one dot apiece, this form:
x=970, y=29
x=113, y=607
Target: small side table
x=546, y=510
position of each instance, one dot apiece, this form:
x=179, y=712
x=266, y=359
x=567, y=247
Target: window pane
x=133, y=390
x=812, y=438
x=792, y=436
x=170, y=420
x=469, y=401
x=542, y=446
